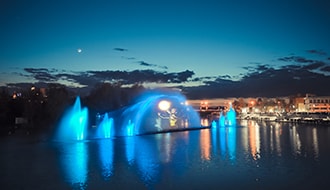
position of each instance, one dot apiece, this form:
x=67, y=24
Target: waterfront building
x=317, y=104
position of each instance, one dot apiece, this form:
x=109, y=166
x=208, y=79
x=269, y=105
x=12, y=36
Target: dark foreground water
x=252, y=155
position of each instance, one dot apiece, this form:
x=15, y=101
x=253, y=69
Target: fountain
x=105, y=127
x=156, y=111
x=222, y=120
x=229, y=119
x=153, y=112
x=73, y=125
x=231, y=116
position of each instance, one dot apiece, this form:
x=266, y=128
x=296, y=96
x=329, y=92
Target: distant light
x=79, y=50
x=164, y=105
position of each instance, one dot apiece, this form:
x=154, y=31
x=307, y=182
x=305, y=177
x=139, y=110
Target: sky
x=209, y=49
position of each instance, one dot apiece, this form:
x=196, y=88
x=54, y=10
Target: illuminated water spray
x=222, y=120
x=73, y=125
x=104, y=129
x=229, y=119
x=152, y=112
x=157, y=111
x=231, y=116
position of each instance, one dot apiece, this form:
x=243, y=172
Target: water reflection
x=278, y=133
x=152, y=157
x=205, y=144
x=276, y=137
x=295, y=141
x=147, y=160
x=74, y=160
x=231, y=138
x=254, y=139
x=129, y=149
x=315, y=143
x=164, y=146
x=106, y=157
x=227, y=140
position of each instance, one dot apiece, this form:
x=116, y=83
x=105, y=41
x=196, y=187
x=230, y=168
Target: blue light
x=105, y=128
x=150, y=112
x=223, y=147
x=229, y=119
x=130, y=128
x=73, y=125
x=222, y=120
x=231, y=116
x=106, y=157
x=75, y=163
x=130, y=149
x=231, y=142
x=214, y=124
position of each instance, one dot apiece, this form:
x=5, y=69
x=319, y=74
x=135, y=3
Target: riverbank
x=316, y=118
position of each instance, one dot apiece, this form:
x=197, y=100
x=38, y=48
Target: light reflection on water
x=74, y=157
x=106, y=157
x=153, y=157
x=266, y=150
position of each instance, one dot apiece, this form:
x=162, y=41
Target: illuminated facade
x=317, y=104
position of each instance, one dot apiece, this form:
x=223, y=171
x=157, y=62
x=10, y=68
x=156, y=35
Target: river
x=251, y=155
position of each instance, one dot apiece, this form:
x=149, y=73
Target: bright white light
x=79, y=50
x=164, y=105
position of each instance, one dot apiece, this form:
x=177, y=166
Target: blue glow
x=215, y=137
x=147, y=160
x=228, y=142
x=134, y=115
x=223, y=140
x=105, y=128
x=106, y=157
x=222, y=120
x=73, y=125
x=231, y=142
x=231, y=116
x=130, y=148
x=130, y=128
x=145, y=116
x=75, y=163
x=214, y=124
x=229, y=119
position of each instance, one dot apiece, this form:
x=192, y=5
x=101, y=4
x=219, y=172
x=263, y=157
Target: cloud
x=326, y=69
x=120, y=49
x=142, y=76
x=90, y=78
x=267, y=81
x=143, y=63
x=128, y=58
x=299, y=75
x=315, y=65
x=309, y=64
x=225, y=77
x=317, y=52
x=41, y=74
x=296, y=59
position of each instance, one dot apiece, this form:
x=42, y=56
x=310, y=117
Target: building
x=317, y=104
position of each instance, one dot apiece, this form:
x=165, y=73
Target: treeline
x=42, y=108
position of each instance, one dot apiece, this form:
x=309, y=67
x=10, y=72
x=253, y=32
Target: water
x=152, y=112
x=229, y=119
x=251, y=155
x=73, y=125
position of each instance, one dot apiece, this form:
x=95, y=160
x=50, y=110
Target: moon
x=79, y=50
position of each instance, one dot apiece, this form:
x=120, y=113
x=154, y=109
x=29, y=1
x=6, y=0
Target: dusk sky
x=207, y=48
